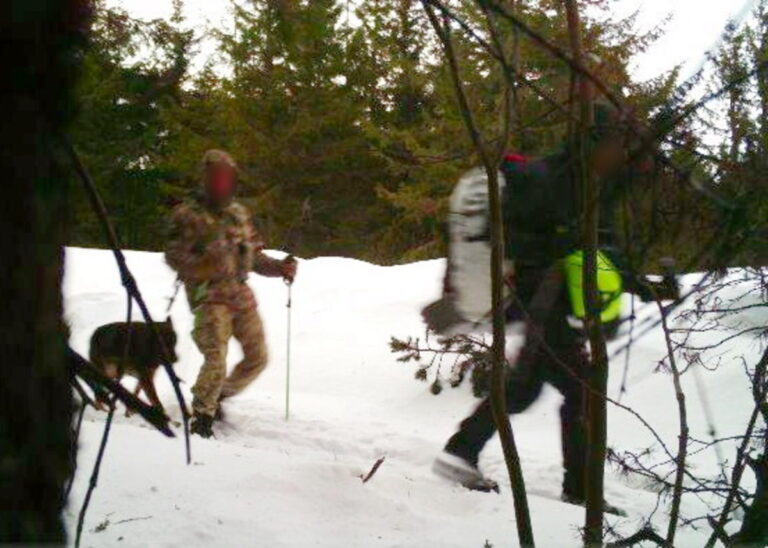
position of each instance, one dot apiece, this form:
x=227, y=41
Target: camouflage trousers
x=226, y=311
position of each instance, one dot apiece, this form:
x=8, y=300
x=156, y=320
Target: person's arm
x=267, y=266
x=666, y=289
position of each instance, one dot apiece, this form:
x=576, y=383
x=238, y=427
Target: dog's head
x=169, y=337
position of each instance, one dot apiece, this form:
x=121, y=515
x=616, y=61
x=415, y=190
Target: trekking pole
x=289, y=284
x=176, y=287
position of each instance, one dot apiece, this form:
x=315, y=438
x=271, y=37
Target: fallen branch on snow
x=375, y=468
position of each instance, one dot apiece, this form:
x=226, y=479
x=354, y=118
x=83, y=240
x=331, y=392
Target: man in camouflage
x=213, y=246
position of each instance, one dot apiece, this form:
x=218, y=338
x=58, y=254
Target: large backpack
x=466, y=301
x=469, y=257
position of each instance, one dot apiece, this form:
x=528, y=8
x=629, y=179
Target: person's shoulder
x=526, y=169
x=186, y=210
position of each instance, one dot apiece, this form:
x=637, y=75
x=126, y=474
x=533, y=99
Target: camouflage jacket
x=216, y=247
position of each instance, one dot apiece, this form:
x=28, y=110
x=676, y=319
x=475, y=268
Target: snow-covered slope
x=267, y=482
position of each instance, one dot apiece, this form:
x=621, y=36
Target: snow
x=267, y=482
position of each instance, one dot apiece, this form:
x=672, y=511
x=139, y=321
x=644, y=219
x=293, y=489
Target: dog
x=120, y=348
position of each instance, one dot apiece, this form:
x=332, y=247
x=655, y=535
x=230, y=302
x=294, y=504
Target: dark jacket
x=542, y=208
x=542, y=222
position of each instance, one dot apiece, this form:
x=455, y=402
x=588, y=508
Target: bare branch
x=373, y=470
x=647, y=534
x=741, y=458
x=682, y=448
x=94, y=475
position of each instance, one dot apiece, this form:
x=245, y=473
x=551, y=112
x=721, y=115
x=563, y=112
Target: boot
x=463, y=470
x=202, y=425
x=580, y=501
x=220, y=414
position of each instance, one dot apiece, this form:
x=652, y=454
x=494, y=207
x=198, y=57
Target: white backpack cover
x=470, y=250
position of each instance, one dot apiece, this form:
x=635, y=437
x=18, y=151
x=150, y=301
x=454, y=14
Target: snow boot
x=463, y=471
x=220, y=415
x=202, y=425
x=580, y=501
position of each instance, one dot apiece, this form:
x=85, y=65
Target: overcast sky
x=695, y=26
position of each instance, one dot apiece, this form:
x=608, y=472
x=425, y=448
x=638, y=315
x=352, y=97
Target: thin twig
x=95, y=474
x=75, y=443
x=682, y=448
x=718, y=524
x=647, y=534
x=373, y=470
x=132, y=519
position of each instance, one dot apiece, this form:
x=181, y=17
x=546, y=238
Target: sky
x=695, y=27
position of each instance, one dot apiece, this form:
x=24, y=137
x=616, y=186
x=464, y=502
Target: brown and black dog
x=121, y=348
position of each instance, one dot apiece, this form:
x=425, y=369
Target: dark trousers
x=553, y=353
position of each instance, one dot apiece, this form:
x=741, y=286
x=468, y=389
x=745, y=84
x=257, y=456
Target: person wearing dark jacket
x=542, y=210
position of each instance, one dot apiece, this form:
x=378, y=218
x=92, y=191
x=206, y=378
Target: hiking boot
x=463, y=471
x=220, y=415
x=202, y=425
x=581, y=501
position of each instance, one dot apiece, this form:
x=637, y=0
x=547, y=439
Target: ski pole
x=289, y=284
x=176, y=287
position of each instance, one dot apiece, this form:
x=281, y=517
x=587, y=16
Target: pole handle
x=289, y=281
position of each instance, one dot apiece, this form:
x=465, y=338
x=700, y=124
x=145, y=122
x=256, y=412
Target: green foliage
x=132, y=75
x=345, y=124
x=294, y=122
x=742, y=154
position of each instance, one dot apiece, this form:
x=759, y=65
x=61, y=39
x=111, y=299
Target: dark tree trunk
x=39, y=41
x=583, y=94
x=754, y=527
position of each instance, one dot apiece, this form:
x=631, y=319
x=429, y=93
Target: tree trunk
x=39, y=43
x=598, y=379
x=754, y=527
x=498, y=368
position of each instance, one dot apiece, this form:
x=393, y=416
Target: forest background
x=349, y=138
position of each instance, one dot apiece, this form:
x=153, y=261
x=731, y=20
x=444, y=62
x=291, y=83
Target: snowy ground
x=267, y=482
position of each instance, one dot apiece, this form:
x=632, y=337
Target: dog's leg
x=100, y=399
x=136, y=392
x=148, y=381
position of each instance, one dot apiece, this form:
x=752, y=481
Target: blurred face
x=220, y=183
